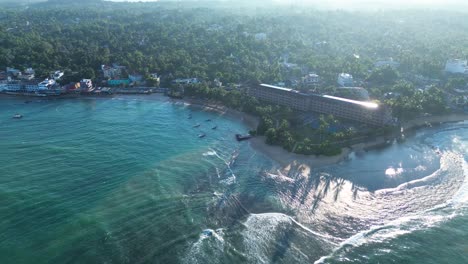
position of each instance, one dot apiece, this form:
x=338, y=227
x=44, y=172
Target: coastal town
x=344, y=113
x=349, y=100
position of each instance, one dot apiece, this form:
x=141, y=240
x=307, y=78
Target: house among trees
x=310, y=79
x=112, y=72
x=345, y=80
x=27, y=75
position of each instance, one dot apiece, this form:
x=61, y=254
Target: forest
x=215, y=42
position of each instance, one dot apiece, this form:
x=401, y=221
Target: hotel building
x=360, y=111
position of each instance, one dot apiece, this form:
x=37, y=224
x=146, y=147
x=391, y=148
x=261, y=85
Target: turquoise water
x=128, y=180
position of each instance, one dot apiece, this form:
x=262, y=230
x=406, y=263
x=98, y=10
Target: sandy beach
x=286, y=159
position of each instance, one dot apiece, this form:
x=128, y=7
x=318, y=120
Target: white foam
x=210, y=153
x=446, y=161
x=411, y=223
x=262, y=230
x=214, y=241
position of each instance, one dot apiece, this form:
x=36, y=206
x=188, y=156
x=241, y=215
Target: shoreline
x=282, y=156
x=285, y=158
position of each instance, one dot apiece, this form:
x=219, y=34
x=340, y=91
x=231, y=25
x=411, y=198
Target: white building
x=57, y=75
x=44, y=85
x=154, y=76
x=456, y=66
x=217, y=83
x=310, y=79
x=345, y=80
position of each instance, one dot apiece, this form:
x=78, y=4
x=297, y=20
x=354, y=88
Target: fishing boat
x=240, y=137
x=197, y=125
x=17, y=116
x=202, y=135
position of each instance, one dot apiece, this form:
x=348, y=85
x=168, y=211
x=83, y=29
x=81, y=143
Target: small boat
x=17, y=116
x=215, y=127
x=190, y=116
x=202, y=135
x=240, y=137
x=197, y=125
x=27, y=102
x=208, y=120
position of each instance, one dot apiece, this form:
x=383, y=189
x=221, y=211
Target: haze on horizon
x=342, y=4
x=458, y=5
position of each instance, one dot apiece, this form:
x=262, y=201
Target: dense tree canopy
x=221, y=43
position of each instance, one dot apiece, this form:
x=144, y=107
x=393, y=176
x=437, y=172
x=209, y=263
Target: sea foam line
x=404, y=225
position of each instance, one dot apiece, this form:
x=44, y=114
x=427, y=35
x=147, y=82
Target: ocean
x=129, y=180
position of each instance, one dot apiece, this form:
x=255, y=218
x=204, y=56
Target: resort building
x=345, y=80
x=457, y=66
x=360, y=111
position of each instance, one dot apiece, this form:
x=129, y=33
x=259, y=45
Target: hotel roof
x=278, y=88
x=361, y=103
x=340, y=99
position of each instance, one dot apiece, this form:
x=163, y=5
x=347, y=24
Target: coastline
x=277, y=153
x=285, y=158
x=432, y=120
